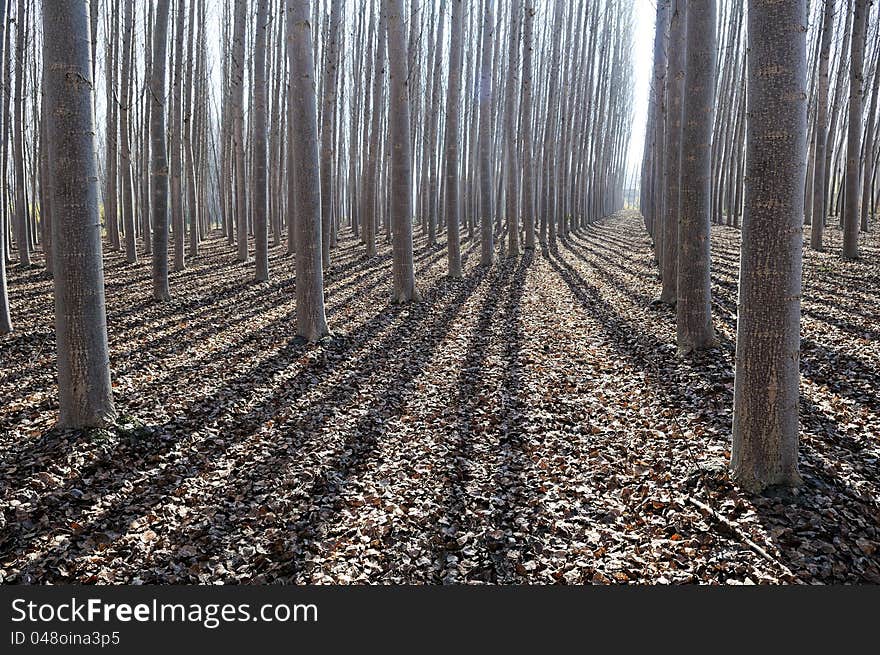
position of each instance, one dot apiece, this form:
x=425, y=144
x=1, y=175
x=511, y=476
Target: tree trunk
x=487, y=245
x=311, y=322
x=124, y=146
x=694, y=329
x=328, y=114
x=510, y=137
x=528, y=195
x=854, y=132
x=237, y=102
x=159, y=172
x=21, y=212
x=261, y=189
x=5, y=320
x=674, y=102
x=371, y=178
x=85, y=393
x=817, y=227
x=766, y=386
x=403, y=267
x=453, y=120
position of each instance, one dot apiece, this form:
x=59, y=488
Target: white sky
x=643, y=61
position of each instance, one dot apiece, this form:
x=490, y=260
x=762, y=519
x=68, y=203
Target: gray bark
x=261, y=146
x=766, y=387
x=854, y=132
x=5, y=320
x=817, y=227
x=487, y=245
x=124, y=145
x=311, y=321
x=671, y=199
x=85, y=393
x=453, y=120
x=159, y=168
x=328, y=114
x=403, y=267
x=237, y=106
x=694, y=329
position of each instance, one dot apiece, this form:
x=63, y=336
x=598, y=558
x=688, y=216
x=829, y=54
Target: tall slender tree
x=672, y=185
x=487, y=244
x=453, y=138
x=766, y=386
x=237, y=107
x=159, y=167
x=817, y=227
x=261, y=146
x=694, y=306
x=403, y=266
x=5, y=319
x=328, y=116
x=85, y=392
x=127, y=188
x=854, y=131
x=311, y=321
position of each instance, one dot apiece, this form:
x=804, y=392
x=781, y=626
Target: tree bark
x=403, y=267
x=453, y=120
x=817, y=227
x=237, y=105
x=159, y=172
x=311, y=321
x=261, y=182
x=125, y=147
x=328, y=115
x=694, y=329
x=671, y=198
x=5, y=319
x=854, y=132
x=487, y=245
x=85, y=393
x=766, y=386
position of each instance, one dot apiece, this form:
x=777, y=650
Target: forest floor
x=530, y=423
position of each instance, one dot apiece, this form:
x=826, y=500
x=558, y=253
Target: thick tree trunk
x=311, y=321
x=854, y=132
x=261, y=188
x=694, y=329
x=159, y=169
x=85, y=393
x=403, y=267
x=766, y=387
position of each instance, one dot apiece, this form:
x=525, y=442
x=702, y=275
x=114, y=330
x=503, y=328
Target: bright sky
x=643, y=61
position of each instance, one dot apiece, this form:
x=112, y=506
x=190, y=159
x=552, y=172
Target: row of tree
x=747, y=120
x=476, y=119
x=456, y=118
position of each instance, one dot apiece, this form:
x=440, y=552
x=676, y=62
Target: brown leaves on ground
x=529, y=423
